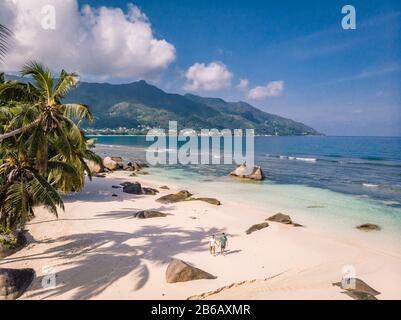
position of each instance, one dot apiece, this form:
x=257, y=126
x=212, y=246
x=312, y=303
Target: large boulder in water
x=257, y=227
x=148, y=214
x=133, y=188
x=281, y=218
x=173, y=198
x=14, y=282
x=180, y=271
x=244, y=172
x=110, y=164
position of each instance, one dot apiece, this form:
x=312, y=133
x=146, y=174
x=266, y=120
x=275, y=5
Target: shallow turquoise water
x=318, y=209
x=364, y=166
x=344, y=183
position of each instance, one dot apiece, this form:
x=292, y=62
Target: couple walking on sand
x=222, y=243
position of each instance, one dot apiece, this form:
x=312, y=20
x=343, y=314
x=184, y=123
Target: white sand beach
x=98, y=250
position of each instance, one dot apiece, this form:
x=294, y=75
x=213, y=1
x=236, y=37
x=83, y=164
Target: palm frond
x=17, y=203
x=64, y=176
x=43, y=193
x=62, y=167
x=19, y=92
x=5, y=34
x=90, y=155
x=77, y=111
x=42, y=77
x=65, y=83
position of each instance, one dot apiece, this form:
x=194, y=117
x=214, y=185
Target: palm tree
x=42, y=112
x=23, y=188
x=42, y=148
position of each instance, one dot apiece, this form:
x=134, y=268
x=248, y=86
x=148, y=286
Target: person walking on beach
x=212, y=245
x=223, y=244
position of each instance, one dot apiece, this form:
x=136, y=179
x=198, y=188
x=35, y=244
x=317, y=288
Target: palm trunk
x=43, y=155
x=18, y=131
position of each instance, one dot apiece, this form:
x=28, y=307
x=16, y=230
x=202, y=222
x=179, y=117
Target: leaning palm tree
x=43, y=114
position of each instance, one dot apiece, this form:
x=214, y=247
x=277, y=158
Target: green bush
x=8, y=239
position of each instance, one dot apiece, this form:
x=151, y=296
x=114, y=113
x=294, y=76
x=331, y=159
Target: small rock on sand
x=281, y=218
x=165, y=188
x=369, y=227
x=357, y=289
x=173, y=198
x=210, y=200
x=147, y=214
x=150, y=191
x=124, y=184
x=133, y=188
x=257, y=227
x=180, y=271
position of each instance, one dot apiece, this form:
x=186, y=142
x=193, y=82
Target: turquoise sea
x=336, y=182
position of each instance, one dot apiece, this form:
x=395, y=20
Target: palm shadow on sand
x=98, y=260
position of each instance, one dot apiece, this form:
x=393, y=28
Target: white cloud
x=243, y=84
x=212, y=77
x=100, y=43
x=272, y=89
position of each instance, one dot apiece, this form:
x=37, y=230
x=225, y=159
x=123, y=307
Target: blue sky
x=341, y=82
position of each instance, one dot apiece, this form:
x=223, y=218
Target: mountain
x=141, y=104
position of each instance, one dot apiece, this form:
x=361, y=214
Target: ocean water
x=333, y=182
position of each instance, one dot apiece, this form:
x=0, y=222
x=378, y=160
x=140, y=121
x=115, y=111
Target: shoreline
x=99, y=251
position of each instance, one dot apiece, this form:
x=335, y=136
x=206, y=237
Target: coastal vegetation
x=43, y=151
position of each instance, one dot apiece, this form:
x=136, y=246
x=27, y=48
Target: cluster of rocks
x=136, y=188
x=114, y=164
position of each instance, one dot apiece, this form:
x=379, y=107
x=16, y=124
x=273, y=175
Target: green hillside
x=140, y=104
